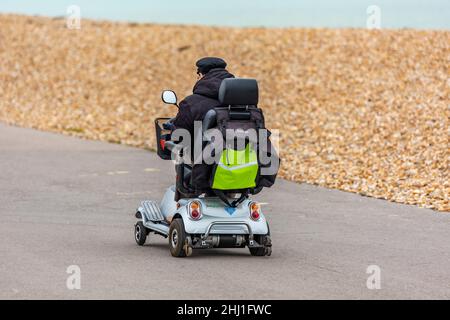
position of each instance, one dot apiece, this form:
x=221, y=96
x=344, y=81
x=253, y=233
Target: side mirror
x=169, y=97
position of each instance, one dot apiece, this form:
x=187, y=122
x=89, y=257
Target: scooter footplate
x=152, y=210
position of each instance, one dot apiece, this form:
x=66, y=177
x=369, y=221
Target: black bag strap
x=235, y=203
x=238, y=201
x=222, y=196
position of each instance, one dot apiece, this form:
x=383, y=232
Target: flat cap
x=208, y=63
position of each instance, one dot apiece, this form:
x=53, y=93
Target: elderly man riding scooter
x=211, y=72
x=210, y=205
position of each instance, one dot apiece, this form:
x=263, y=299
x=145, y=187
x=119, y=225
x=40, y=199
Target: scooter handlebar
x=169, y=125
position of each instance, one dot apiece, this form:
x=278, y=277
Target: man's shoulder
x=198, y=102
x=197, y=105
x=194, y=98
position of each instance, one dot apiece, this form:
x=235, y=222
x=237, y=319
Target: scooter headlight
x=254, y=211
x=194, y=209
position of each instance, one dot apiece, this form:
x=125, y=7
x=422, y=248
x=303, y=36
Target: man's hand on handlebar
x=169, y=125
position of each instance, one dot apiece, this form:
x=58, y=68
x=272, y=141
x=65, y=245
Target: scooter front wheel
x=177, y=238
x=140, y=233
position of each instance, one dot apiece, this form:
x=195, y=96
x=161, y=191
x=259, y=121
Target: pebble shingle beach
x=364, y=111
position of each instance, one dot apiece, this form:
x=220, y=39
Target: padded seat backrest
x=238, y=92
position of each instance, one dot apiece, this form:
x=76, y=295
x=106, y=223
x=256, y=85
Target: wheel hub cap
x=138, y=232
x=174, y=238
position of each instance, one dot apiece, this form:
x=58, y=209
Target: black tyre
x=177, y=238
x=258, y=252
x=264, y=240
x=140, y=233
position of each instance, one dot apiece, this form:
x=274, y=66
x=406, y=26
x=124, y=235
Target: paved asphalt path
x=66, y=201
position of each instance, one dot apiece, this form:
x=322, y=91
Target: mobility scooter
x=193, y=219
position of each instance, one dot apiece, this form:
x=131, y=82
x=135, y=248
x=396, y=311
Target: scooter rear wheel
x=264, y=240
x=177, y=238
x=258, y=252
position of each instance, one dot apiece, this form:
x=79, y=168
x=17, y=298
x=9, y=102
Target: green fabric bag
x=237, y=169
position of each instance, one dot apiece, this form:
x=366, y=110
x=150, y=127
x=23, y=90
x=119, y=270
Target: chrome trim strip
x=241, y=223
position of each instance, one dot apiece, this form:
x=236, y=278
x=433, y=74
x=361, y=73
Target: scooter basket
x=162, y=135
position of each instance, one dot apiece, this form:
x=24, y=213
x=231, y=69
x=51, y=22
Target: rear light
x=254, y=211
x=162, y=143
x=195, y=214
x=255, y=215
x=195, y=211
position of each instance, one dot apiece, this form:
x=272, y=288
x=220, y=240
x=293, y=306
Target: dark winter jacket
x=204, y=98
x=195, y=107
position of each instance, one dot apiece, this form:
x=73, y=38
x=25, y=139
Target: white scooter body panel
x=168, y=204
x=214, y=211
